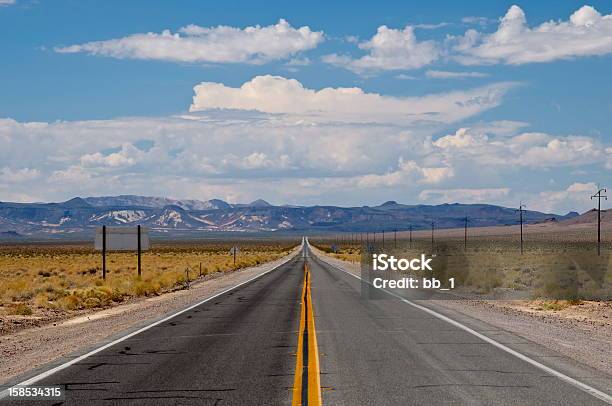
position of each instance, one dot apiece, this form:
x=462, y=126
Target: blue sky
x=533, y=123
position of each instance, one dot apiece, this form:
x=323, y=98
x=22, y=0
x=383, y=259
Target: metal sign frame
x=121, y=239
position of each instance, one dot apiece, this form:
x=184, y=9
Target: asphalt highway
x=241, y=349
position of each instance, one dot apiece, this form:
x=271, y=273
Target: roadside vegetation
x=35, y=279
x=350, y=252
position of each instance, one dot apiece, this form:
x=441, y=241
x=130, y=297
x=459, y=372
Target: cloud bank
x=195, y=44
x=279, y=95
x=241, y=157
x=586, y=33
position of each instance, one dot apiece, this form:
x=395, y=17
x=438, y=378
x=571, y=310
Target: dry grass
x=345, y=252
x=555, y=305
x=69, y=277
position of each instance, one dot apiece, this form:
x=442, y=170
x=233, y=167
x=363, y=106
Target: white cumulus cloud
x=16, y=175
x=389, y=49
x=221, y=44
x=406, y=172
x=575, y=197
x=586, y=33
x=278, y=95
x=127, y=156
x=528, y=149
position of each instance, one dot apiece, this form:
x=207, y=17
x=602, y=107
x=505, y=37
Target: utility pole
x=383, y=239
x=432, y=236
x=410, y=240
x=520, y=210
x=395, y=238
x=599, y=196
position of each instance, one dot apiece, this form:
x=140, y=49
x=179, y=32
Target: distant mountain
x=9, y=235
x=163, y=215
x=260, y=203
x=76, y=203
x=255, y=203
x=156, y=202
x=590, y=217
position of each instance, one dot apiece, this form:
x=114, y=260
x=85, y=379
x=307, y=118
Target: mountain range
x=79, y=216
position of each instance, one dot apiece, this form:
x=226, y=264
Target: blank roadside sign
x=122, y=238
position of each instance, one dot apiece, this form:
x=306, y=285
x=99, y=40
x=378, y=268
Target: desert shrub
x=42, y=301
x=91, y=302
x=70, y=302
x=20, y=309
x=555, y=305
x=144, y=288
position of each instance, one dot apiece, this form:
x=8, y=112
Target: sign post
x=233, y=251
x=104, y=252
x=121, y=239
x=139, y=250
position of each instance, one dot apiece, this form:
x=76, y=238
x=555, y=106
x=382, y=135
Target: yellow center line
x=299, y=364
x=308, y=330
x=314, y=372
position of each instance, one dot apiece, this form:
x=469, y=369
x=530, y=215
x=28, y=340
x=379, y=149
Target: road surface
x=254, y=346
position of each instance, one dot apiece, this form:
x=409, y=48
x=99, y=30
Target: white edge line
x=58, y=368
x=580, y=385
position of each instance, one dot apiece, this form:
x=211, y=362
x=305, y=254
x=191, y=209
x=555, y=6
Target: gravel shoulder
x=34, y=348
x=582, y=333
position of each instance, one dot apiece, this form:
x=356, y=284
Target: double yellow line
x=307, y=381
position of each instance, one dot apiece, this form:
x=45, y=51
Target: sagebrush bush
x=21, y=309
